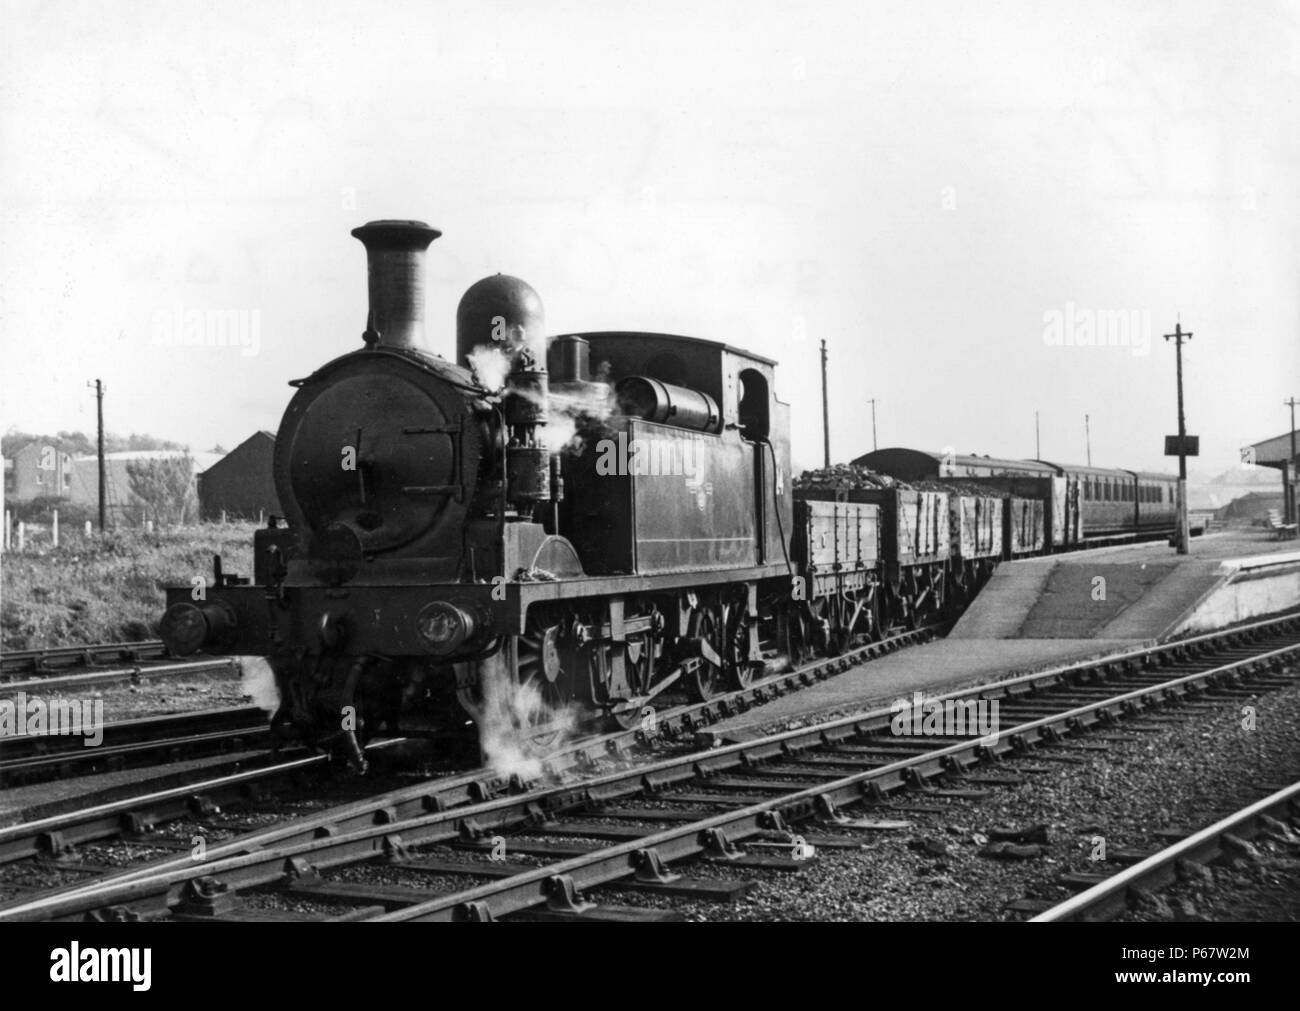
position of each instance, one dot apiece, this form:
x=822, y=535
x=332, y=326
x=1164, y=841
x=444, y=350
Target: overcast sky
x=940, y=190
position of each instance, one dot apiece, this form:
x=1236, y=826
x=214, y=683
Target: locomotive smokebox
x=395, y=257
x=501, y=312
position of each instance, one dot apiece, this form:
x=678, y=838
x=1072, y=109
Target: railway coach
x=1082, y=506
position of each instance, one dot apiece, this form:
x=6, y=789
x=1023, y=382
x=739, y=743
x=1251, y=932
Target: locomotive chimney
x=395, y=256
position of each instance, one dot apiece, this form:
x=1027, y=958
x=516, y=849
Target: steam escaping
x=572, y=407
x=561, y=431
x=257, y=681
x=490, y=366
x=517, y=729
x=577, y=410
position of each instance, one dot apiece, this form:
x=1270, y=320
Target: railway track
x=605, y=821
x=21, y=661
x=1111, y=897
x=110, y=816
x=132, y=743
x=94, y=680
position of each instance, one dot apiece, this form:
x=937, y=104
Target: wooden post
x=22, y=536
x=1183, y=529
x=54, y=527
x=89, y=528
x=826, y=414
x=103, y=477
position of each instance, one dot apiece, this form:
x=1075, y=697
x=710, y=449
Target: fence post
x=22, y=535
x=54, y=526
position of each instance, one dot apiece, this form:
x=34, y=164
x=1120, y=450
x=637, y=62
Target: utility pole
x=826, y=413
x=103, y=477
x=1038, y=444
x=1184, y=533
x=1087, y=438
x=872, y=402
x=1291, y=465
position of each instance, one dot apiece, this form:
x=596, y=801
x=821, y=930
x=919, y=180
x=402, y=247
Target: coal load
x=844, y=477
x=849, y=477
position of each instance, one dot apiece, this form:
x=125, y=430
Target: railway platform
x=1142, y=592
x=1041, y=613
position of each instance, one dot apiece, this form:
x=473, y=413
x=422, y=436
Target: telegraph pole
x=1087, y=438
x=103, y=478
x=1290, y=469
x=1184, y=533
x=826, y=413
x=1038, y=444
x=872, y=402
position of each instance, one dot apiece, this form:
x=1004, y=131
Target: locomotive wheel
x=703, y=676
x=531, y=688
x=799, y=643
x=541, y=667
x=739, y=673
x=639, y=660
x=549, y=686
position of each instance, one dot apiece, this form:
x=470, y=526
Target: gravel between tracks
x=1182, y=777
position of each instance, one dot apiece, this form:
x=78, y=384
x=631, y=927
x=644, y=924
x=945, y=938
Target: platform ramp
x=1088, y=598
x=1142, y=593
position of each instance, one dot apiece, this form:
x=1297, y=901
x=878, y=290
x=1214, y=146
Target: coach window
x=753, y=410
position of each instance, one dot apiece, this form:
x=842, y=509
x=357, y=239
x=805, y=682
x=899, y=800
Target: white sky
x=919, y=183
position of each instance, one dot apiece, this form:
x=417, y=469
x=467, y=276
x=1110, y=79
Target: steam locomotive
x=581, y=521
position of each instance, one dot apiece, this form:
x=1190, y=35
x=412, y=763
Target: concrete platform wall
x=1249, y=591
